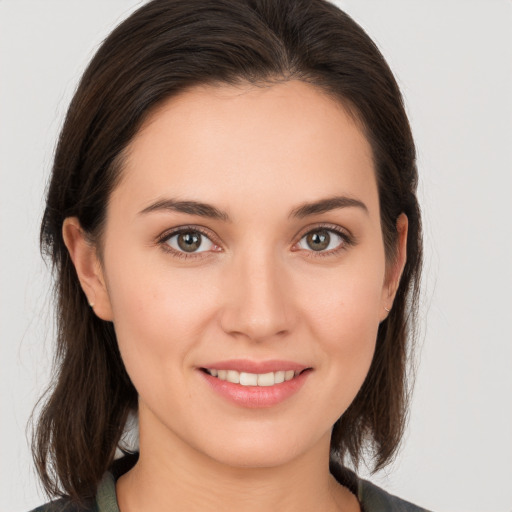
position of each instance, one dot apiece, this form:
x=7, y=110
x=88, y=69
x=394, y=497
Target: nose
x=256, y=300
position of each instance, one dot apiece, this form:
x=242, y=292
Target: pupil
x=190, y=241
x=319, y=240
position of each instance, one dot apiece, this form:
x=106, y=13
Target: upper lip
x=248, y=366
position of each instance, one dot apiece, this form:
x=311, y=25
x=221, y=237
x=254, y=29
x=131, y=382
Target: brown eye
x=318, y=240
x=189, y=242
x=322, y=240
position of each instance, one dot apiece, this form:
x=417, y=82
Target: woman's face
x=244, y=241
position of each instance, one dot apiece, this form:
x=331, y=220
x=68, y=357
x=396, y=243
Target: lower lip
x=256, y=396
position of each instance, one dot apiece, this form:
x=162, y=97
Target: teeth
x=253, y=379
x=279, y=377
x=248, y=379
x=233, y=376
x=266, y=379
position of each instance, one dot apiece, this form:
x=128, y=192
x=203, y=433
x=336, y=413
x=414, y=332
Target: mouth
x=254, y=379
x=255, y=384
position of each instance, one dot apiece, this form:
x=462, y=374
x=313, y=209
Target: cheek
x=344, y=319
x=347, y=302
x=158, y=313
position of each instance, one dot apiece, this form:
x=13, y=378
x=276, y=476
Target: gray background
x=453, y=60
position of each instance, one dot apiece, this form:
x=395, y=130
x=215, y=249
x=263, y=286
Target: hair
x=164, y=48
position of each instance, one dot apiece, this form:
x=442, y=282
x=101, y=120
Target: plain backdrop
x=453, y=60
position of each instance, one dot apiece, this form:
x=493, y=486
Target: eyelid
x=183, y=229
x=327, y=226
x=166, y=235
x=345, y=234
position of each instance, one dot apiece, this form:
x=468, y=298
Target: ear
x=394, y=272
x=88, y=267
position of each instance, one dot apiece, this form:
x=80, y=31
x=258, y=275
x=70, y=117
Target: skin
x=257, y=291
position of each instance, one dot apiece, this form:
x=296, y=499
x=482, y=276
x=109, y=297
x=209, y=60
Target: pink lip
x=256, y=396
x=245, y=365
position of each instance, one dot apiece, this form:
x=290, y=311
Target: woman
x=234, y=228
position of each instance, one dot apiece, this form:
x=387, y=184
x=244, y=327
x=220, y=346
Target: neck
x=175, y=476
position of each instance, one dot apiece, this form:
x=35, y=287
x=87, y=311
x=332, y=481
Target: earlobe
x=396, y=268
x=84, y=255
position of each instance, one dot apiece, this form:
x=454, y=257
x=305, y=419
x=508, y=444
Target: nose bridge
x=256, y=302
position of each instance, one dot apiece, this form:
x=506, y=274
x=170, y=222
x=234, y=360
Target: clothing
x=371, y=497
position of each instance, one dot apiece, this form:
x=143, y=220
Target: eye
x=188, y=241
x=324, y=240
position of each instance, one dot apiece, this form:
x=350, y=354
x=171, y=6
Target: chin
x=255, y=458
x=261, y=450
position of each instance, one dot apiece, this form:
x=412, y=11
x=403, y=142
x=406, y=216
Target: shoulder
x=375, y=499
x=105, y=499
x=65, y=505
x=371, y=497
x=101, y=503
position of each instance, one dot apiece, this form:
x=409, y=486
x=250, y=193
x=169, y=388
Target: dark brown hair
x=164, y=48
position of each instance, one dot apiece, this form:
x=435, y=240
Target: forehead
x=223, y=142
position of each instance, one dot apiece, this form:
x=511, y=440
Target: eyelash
x=165, y=237
x=347, y=241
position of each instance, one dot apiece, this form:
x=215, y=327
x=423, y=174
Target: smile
x=253, y=379
x=255, y=385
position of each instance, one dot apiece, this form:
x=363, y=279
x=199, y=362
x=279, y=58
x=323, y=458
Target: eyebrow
x=326, y=205
x=190, y=207
x=209, y=211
